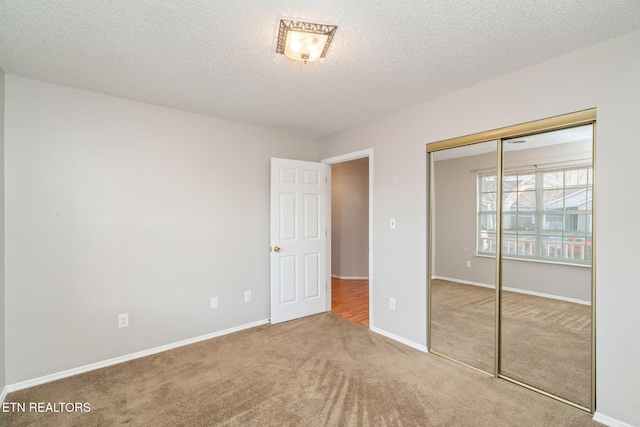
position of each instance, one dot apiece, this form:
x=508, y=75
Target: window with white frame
x=546, y=214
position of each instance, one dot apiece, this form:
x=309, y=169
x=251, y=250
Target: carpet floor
x=546, y=343
x=316, y=371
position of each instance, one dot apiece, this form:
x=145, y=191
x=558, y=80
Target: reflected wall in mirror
x=546, y=261
x=462, y=285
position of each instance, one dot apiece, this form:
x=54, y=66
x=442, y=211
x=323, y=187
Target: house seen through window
x=546, y=214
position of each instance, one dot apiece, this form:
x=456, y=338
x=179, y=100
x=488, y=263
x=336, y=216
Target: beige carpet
x=317, y=371
x=462, y=323
x=545, y=342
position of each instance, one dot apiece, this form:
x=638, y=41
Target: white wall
x=456, y=226
x=115, y=206
x=2, y=299
x=350, y=218
x=603, y=76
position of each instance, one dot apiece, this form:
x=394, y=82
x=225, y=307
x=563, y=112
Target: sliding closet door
x=462, y=284
x=546, y=262
x=511, y=285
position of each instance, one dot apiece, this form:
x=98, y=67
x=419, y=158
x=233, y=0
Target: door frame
x=341, y=159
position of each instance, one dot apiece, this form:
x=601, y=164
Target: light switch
x=392, y=223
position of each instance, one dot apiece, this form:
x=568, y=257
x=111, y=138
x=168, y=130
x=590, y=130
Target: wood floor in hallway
x=350, y=300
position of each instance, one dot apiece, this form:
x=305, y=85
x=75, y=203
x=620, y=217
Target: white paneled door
x=298, y=239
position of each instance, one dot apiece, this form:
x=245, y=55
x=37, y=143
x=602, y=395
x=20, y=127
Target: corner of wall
x=609, y=421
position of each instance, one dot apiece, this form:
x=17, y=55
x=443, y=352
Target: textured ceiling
x=582, y=134
x=218, y=57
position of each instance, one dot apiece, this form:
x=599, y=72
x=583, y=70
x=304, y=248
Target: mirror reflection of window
x=564, y=211
x=546, y=304
x=536, y=211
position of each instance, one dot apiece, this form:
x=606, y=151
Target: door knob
x=276, y=249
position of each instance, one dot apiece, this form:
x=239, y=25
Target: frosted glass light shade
x=304, y=46
x=304, y=41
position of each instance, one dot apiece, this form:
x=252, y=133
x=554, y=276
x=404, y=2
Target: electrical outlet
x=467, y=264
x=392, y=303
x=247, y=296
x=123, y=320
x=214, y=302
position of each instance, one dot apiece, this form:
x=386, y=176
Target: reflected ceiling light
x=304, y=41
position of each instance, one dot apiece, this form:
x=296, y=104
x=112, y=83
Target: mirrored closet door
x=511, y=254
x=463, y=285
x=547, y=234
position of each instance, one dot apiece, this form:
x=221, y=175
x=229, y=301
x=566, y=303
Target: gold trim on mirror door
x=498, y=278
x=523, y=129
x=461, y=363
x=593, y=271
x=544, y=393
x=429, y=246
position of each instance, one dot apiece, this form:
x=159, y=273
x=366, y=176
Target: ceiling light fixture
x=304, y=41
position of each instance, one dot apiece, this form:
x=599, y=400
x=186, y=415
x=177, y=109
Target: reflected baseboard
x=519, y=291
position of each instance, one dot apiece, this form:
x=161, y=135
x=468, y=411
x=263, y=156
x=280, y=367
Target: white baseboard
x=98, y=365
x=3, y=395
x=395, y=337
x=519, y=291
x=608, y=421
x=349, y=277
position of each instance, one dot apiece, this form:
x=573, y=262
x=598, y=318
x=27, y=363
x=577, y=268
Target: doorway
x=349, y=257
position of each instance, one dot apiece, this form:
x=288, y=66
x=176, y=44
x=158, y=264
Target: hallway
x=350, y=300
